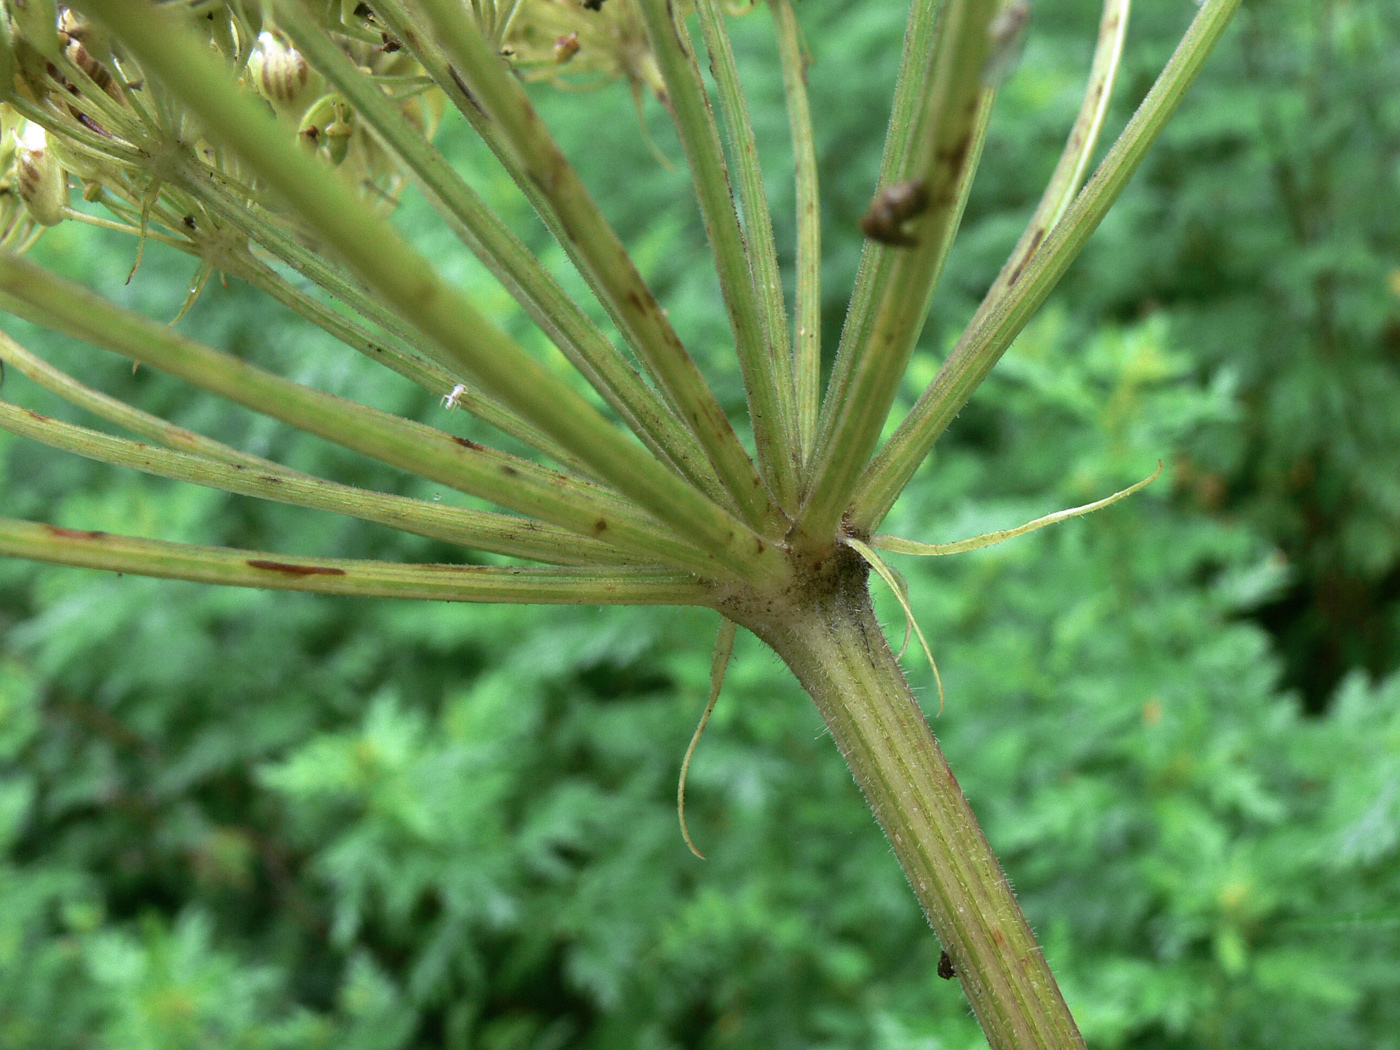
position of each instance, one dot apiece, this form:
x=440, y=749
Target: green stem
x=806, y=339
x=943, y=155
x=593, y=246
x=516, y=484
x=982, y=345
x=385, y=261
x=920, y=37
x=391, y=351
x=560, y=585
x=396, y=345
x=834, y=645
x=1069, y=172
x=1068, y=175
x=475, y=529
x=774, y=378
x=520, y=272
x=695, y=122
x=143, y=424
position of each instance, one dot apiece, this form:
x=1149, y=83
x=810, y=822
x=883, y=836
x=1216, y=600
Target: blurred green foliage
x=236, y=819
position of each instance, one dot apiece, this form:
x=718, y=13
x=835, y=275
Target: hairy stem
x=391, y=268
x=982, y=344
x=806, y=344
x=835, y=647
x=488, y=89
x=491, y=241
x=555, y=585
x=690, y=109
x=944, y=151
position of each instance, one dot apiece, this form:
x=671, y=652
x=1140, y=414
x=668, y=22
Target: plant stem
x=806, y=340
x=833, y=643
x=591, y=243
x=491, y=241
x=393, y=352
x=769, y=410
x=555, y=585
x=757, y=239
x=982, y=345
x=480, y=530
x=944, y=151
x=519, y=485
x=909, y=90
x=391, y=268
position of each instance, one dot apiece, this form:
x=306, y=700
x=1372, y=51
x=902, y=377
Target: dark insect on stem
x=592, y=5
x=565, y=48
x=945, y=967
x=892, y=207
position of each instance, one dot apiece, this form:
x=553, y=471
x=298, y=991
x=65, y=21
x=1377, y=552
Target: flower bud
x=280, y=74
x=317, y=117
x=41, y=181
x=223, y=33
x=337, y=135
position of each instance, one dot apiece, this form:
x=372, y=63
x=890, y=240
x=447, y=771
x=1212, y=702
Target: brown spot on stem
x=601, y=525
x=468, y=444
x=295, y=570
x=954, y=157
x=509, y=471
x=466, y=91
x=75, y=534
x=1030, y=250
x=675, y=31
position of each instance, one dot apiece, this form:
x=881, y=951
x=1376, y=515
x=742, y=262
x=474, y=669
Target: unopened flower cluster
x=78, y=118
x=79, y=115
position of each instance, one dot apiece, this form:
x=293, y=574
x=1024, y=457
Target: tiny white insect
x=453, y=399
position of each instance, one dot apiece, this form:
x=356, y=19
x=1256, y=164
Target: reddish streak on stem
x=74, y=534
x=295, y=570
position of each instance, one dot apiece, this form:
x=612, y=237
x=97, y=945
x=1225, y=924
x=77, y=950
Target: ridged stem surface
x=834, y=645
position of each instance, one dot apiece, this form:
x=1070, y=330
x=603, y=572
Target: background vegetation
x=236, y=819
